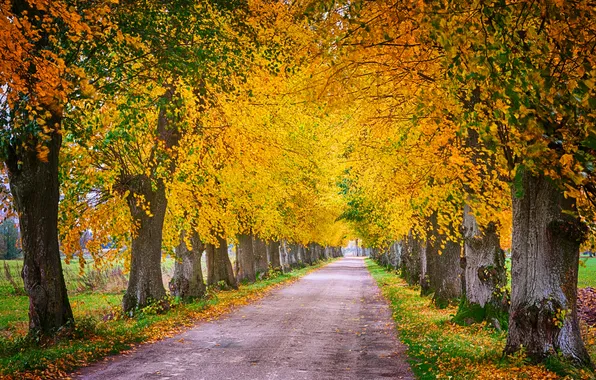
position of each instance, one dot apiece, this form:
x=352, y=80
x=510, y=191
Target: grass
x=587, y=272
x=89, y=279
x=91, y=292
x=95, y=337
x=440, y=349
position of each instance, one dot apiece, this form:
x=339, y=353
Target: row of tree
x=157, y=125
x=477, y=134
x=255, y=258
x=444, y=124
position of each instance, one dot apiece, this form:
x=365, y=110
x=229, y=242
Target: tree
x=245, y=259
x=168, y=87
x=528, y=62
x=44, y=48
x=9, y=235
x=187, y=281
x=219, y=267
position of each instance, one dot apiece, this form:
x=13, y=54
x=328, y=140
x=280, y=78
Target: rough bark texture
x=424, y=280
x=389, y=257
x=245, y=259
x=410, y=265
x=307, y=250
x=320, y=252
x=273, y=254
x=284, y=256
x=328, y=252
x=145, y=283
x=296, y=253
x=35, y=188
x=444, y=269
x=187, y=281
x=444, y=272
x=260, y=252
x=395, y=254
x=314, y=252
x=293, y=257
x=219, y=266
x=485, y=274
x=545, y=255
x=377, y=254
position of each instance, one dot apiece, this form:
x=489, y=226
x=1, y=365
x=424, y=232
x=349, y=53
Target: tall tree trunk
x=34, y=186
x=284, y=256
x=485, y=275
x=292, y=254
x=377, y=255
x=424, y=280
x=187, y=281
x=245, y=259
x=307, y=257
x=299, y=255
x=316, y=253
x=444, y=271
x=148, y=203
x=146, y=282
x=544, y=267
x=219, y=266
x=410, y=266
x=387, y=254
x=321, y=252
x=260, y=252
x=395, y=254
x=273, y=253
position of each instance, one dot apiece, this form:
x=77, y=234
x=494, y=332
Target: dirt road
x=331, y=324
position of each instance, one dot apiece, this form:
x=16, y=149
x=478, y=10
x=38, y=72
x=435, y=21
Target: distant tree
x=9, y=236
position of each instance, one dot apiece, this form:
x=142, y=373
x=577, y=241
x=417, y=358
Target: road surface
x=331, y=324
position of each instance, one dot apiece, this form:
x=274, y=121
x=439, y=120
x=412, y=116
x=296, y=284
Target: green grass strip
x=441, y=349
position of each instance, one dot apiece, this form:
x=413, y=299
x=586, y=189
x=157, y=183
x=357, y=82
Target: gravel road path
x=331, y=324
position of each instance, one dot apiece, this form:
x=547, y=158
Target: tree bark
x=307, y=254
x=187, y=281
x=485, y=275
x=424, y=280
x=34, y=185
x=219, y=266
x=292, y=254
x=411, y=265
x=273, y=254
x=321, y=252
x=260, y=252
x=245, y=259
x=377, y=255
x=300, y=255
x=545, y=258
x=328, y=252
x=444, y=271
x=396, y=251
x=284, y=257
x=145, y=284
